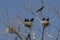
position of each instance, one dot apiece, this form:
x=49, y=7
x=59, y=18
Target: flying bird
x=40, y=9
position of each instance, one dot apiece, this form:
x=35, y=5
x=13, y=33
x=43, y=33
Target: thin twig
x=34, y=35
x=16, y=38
x=57, y=36
x=8, y=18
x=57, y=12
x=18, y=35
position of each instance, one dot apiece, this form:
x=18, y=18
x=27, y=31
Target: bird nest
x=45, y=23
x=11, y=29
x=28, y=24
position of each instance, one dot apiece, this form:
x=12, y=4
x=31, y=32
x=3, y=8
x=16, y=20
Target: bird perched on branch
x=32, y=20
x=26, y=20
x=47, y=19
x=43, y=19
x=45, y=22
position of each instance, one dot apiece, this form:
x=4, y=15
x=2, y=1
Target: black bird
x=26, y=20
x=43, y=19
x=32, y=20
x=40, y=9
x=47, y=19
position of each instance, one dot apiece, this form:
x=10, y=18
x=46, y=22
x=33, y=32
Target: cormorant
x=32, y=20
x=40, y=9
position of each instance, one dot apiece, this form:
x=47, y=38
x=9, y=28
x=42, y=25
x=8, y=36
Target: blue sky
x=13, y=6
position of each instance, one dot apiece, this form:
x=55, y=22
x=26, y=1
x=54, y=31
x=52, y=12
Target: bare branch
x=57, y=12
x=8, y=25
x=18, y=35
x=57, y=36
x=16, y=38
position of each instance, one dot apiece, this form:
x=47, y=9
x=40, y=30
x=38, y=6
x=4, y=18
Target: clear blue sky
x=13, y=5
